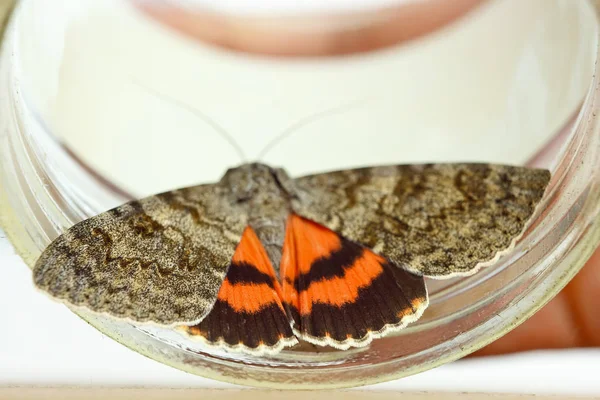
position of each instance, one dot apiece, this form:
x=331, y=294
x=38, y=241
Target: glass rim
x=548, y=284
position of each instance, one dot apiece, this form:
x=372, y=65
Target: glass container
x=102, y=104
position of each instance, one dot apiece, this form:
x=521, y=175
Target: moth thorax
x=256, y=183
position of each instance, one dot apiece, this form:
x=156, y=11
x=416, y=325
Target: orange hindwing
x=340, y=293
x=248, y=314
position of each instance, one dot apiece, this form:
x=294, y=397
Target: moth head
x=253, y=180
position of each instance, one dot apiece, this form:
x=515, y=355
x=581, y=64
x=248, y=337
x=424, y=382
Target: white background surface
x=497, y=97
x=43, y=343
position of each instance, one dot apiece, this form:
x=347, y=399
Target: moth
x=259, y=260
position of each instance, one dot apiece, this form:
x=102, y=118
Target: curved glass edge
x=544, y=292
x=546, y=286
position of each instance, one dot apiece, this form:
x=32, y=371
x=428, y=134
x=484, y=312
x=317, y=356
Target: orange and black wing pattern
x=248, y=314
x=341, y=294
x=334, y=293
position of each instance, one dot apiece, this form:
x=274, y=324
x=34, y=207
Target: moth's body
x=259, y=259
x=264, y=194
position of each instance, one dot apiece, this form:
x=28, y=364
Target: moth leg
x=341, y=294
x=248, y=315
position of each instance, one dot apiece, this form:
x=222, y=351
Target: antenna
x=293, y=128
x=208, y=120
x=304, y=122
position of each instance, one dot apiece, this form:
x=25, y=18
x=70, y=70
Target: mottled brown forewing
x=161, y=259
x=439, y=220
